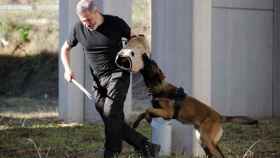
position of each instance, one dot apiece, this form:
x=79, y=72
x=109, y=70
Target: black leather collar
x=180, y=95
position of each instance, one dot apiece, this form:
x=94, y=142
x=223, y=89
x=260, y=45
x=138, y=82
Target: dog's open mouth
x=124, y=62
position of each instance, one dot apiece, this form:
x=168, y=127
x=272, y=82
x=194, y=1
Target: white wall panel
x=244, y=4
x=242, y=43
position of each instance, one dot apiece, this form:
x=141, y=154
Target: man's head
x=88, y=13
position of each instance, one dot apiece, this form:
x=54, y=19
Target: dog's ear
x=145, y=57
x=161, y=75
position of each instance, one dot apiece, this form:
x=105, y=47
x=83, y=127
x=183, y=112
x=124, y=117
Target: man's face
x=88, y=19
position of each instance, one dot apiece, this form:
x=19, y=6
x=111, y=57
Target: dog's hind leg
x=220, y=150
x=206, y=150
x=211, y=149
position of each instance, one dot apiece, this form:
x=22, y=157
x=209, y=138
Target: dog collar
x=180, y=95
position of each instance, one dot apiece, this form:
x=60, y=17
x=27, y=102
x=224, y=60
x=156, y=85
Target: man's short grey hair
x=85, y=5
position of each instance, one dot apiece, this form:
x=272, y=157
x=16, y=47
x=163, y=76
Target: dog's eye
x=132, y=54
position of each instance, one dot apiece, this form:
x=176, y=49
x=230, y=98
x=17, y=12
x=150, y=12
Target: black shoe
x=150, y=150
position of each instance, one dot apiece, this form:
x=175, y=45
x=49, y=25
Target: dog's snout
x=132, y=53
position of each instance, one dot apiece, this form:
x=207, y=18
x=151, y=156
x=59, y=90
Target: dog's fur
x=170, y=102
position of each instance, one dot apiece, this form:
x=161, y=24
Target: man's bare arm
x=65, y=58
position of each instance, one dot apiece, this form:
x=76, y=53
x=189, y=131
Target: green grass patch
x=49, y=137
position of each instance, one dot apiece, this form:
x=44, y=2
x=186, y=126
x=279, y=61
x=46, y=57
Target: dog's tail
x=240, y=120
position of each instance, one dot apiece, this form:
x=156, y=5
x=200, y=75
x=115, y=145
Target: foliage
x=24, y=31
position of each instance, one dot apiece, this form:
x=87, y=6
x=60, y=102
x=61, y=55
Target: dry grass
x=43, y=33
x=262, y=141
x=39, y=133
x=27, y=108
x=28, y=1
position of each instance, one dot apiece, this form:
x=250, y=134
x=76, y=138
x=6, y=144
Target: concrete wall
x=276, y=59
x=242, y=46
x=73, y=105
x=172, y=40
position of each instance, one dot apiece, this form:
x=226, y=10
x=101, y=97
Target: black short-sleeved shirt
x=101, y=45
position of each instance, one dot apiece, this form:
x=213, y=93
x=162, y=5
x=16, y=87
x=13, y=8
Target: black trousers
x=111, y=111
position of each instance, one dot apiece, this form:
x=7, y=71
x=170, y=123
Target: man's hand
x=68, y=75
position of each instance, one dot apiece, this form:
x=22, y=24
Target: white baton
x=82, y=89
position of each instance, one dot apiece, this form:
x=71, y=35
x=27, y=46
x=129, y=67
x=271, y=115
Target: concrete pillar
x=202, y=69
x=276, y=58
x=202, y=50
x=73, y=105
x=71, y=100
x=172, y=48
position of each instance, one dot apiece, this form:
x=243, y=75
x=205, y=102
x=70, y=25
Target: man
x=100, y=36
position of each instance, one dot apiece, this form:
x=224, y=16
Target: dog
x=171, y=102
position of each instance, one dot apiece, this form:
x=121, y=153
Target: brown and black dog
x=171, y=102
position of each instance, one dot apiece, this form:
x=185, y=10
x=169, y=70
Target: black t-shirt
x=101, y=45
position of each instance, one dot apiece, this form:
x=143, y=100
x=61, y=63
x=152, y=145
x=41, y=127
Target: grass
x=30, y=1
x=30, y=128
x=37, y=33
x=51, y=138
x=238, y=139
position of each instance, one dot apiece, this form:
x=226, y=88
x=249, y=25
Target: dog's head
x=165, y=103
x=151, y=72
x=162, y=102
x=130, y=58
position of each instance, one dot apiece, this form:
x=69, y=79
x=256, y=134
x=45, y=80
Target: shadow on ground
x=29, y=75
